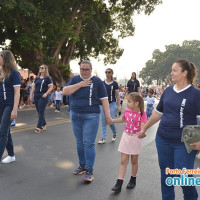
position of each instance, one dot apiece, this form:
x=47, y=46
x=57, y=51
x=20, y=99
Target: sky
x=172, y=22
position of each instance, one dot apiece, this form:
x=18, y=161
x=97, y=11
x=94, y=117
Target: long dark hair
x=132, y=75
x=8, y=63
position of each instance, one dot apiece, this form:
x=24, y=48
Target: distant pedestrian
x=133, y=85
x=58, y=99
x=130, y=145
x=86, y=93
x=42, y=87
x=10, y=81
x=150, y=103
x=114, y=105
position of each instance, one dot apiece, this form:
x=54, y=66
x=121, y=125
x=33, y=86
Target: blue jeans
x=5, y=136
x=58, y=104
x=174, y=156
x=113, y=113
x=85, y=128
x=149, y=110
x=52, y=97
x=40, y=104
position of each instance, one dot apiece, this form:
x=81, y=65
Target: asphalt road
x=45, y=162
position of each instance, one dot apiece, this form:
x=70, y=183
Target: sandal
x=38, y=130
x=44, y=128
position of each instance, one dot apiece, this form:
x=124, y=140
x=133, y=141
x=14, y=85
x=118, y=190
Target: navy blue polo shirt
x=178, y=109
x=42, y=84
x=7, y=88
x=111, y=88
x=87, y=99
x=133, y=86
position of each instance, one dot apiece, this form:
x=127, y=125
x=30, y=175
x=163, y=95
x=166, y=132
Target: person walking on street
x=10, y=82
x=133, y=85
x=114, y=104
x=130, y=145
x=150, y=103
x=179, y=106
x=86, y=94
x=58, y=99
x=42, y=87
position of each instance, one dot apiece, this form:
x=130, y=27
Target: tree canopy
x=159, y=66
x=56, y=32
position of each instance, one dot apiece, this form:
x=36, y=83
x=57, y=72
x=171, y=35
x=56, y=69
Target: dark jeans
x=58, y=104
x=5, y=136
x=174, y=156
x=40, y=104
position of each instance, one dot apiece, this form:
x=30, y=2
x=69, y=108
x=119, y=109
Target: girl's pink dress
x=130, y=143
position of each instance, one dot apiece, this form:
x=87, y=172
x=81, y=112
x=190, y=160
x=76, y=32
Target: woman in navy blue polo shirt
x=179, y=106
x=41, y=88
x=10, y=81
x=86, y=92
x=114, y=104
x=133, y=85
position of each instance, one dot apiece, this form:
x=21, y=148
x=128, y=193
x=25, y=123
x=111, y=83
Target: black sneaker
x=80, y=170
x=88, y=176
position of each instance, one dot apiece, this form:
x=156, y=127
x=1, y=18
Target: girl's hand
x=142, y=134
x=44, y=95
x=196, y=145
x=13, y=115
x=85, y=83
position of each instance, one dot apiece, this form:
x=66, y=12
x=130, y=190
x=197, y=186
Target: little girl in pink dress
x=130, y=145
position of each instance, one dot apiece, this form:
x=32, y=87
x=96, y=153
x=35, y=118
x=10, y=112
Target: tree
x=54, y=33
x=159, y=67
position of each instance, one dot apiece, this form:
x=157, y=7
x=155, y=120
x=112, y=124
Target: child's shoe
x=118, y=186
x=132, y=183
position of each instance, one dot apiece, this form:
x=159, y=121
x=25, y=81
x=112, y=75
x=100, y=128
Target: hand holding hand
x=142, y=134
x=109, y=120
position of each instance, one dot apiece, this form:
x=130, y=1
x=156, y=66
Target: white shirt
x=58, y=95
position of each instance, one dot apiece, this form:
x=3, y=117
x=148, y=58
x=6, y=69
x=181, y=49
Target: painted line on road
x=30, y=127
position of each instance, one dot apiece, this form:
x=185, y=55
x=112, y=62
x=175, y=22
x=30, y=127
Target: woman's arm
x=106, y=109
x=48, y=91
x=155, y=117
x=118, y=100
x=70, y=89
x=16, y=102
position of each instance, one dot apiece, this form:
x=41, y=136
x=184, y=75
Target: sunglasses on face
x=108, y=72
x=85, y=70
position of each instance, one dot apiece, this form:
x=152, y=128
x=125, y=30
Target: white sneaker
x=114, y=137
x=102, y=141
x=51, y=105
x=8, y=159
